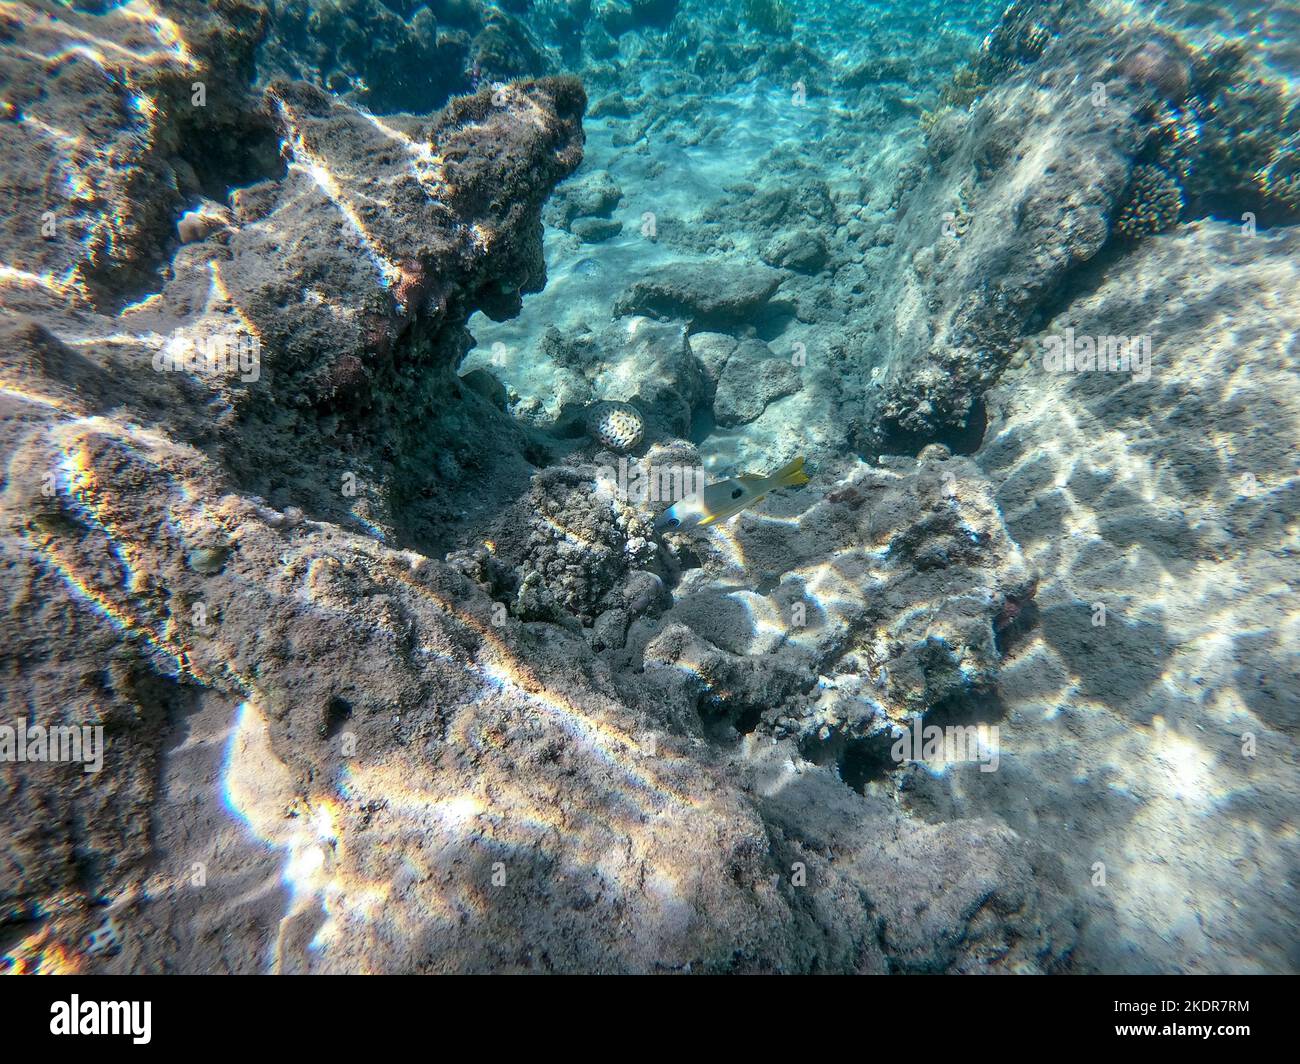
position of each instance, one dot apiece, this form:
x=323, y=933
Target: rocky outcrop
x=852, y=613
x=211, y=498
x=288, y=350
x=592, y=197
x=342, y=280
x=392, y=58
x=394, y=672
x=707, y=295
x=1077, y=135
x=1158, y=502
x=103, y=154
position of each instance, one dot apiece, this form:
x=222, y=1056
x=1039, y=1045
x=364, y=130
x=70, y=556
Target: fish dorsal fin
x=750, y=478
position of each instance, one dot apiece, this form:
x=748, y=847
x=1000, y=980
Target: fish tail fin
x=790, y=476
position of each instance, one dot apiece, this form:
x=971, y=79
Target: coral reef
x=1021, y=36
x=1154, y=203
x=338, y=402
x=201, y=558
x=922, y=566
x=930, y=252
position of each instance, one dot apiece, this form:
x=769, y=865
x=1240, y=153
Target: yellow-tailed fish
x=719, y=501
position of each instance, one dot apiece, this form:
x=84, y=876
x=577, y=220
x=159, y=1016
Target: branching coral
x=1153, y=205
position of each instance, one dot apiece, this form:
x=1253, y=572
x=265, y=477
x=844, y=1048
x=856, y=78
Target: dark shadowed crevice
x=963, y=439
x=227, y=156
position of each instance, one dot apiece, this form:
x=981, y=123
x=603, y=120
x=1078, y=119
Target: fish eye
x=673, y=522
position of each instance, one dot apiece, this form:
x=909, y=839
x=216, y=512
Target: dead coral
x=570, y=548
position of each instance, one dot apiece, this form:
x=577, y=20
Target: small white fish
x=719, y=501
